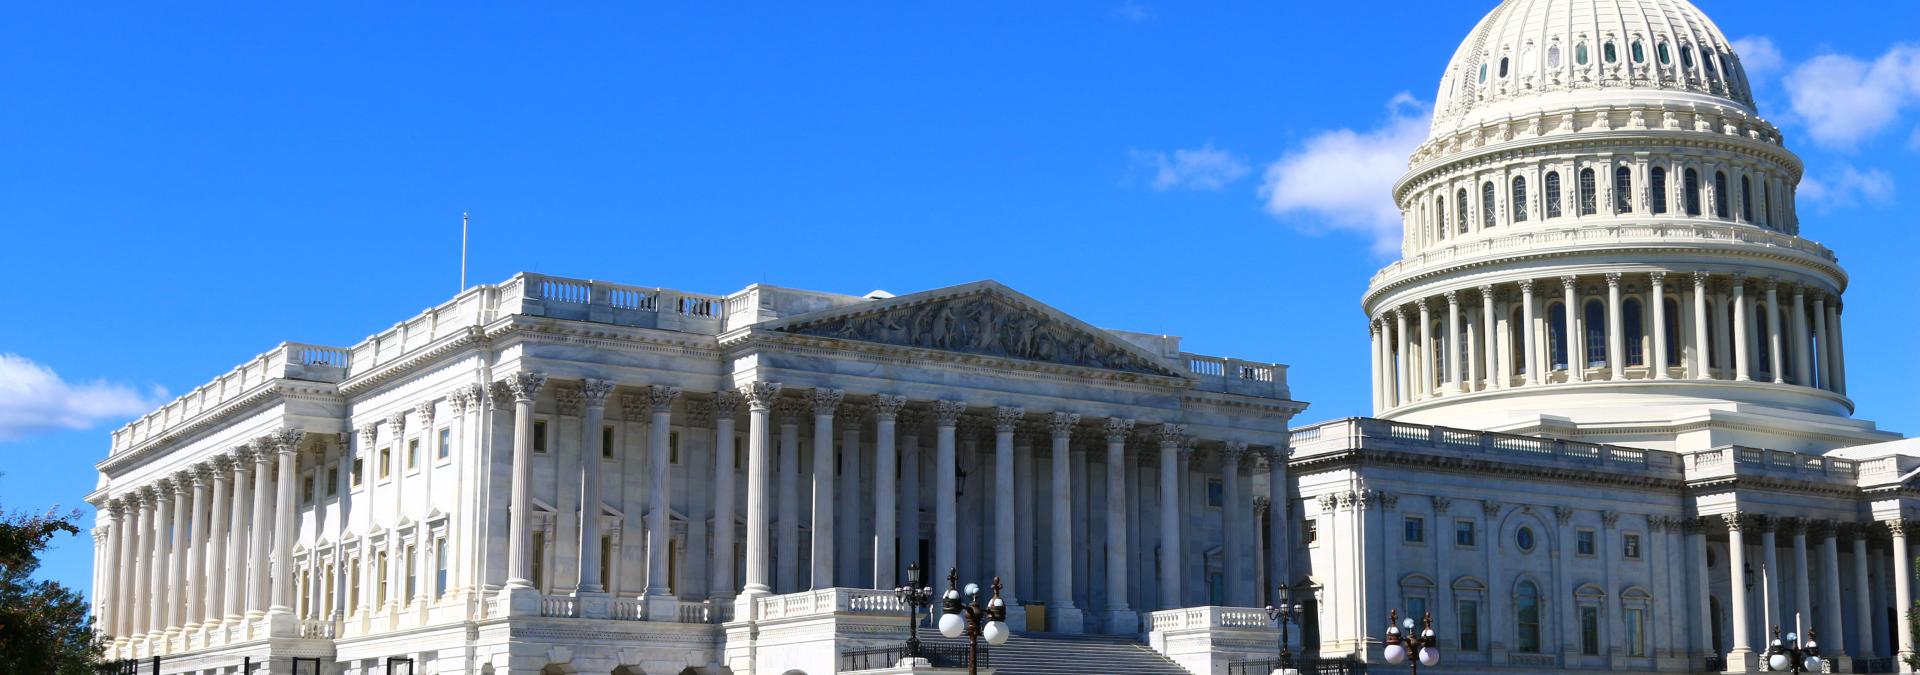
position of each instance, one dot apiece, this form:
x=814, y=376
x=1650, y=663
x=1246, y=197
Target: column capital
x=1562, y=513
x=220, y=464
x=1399, y=313
x=1061, y=423
x=1116, y=429
x=1171, y=435
x=790, y=410
x=594, y=392
x=726, y=404
x=424, y=410
x=660, y=398
x=1822, y=528
x=1700, y=280
x=1421, y=304
x=286, y=441
x=1486, y=291
x=947, y=413
x=1735, y=522
x=1763, y=523
x=1693, y=525
x=162, y=491
x=1897, y=527
x=1613, y=279
x=1771, y=283
x=1453, y=298
x=201, y=473
x=464, y=397
x=1232, y=451
x=886, y=407
x=849, y=416
x=824, y=401
x=525, y=385
x=1793, y=526
x=567, y=400
x=1657, y=277
x=1526, y=286
x=700, y=412
x=1568, y=282
x=182, y=482
x=911, y=419
x=1006, y=418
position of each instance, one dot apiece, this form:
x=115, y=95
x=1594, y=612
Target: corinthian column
x=1742, y=655
x=659, y=525
x=1575, y=342
x=726, y=404
x=107, y=595
x=1403, y=382
x=1702, y=366
x=1490, y=340
x=946, y=512
x=1616, y=338
x=759, y=397
x=1831, y=619
x=1005, y=557
x=158, y=597
x=286, y=443
x=1452, y=343
x=1902, y=587
x=237, y=556
x=1062, y=616
x=176, y=596
x=524, y=386
x=787, y=547
x=1379, y=383
x=1821, y=347
x=197, y=579
x=1742, y=345
x=825, y=403
x=1658, y=281
x=1234, y=536
x=141, y=604
x=1802, y=366
x=1121, y=620
x=593, y=397
x=852, y=486
x=216, y=570
x=886, y=411
x=1170, y=437
x=1775, y=345
x=1531, y=359
x=1426, y=386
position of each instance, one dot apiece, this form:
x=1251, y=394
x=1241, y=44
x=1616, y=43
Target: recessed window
x=1553, y=194
x=440, y=567
x=1706, y=64
x=444, y=444
x=1636, y=632
x=1488, y=209
x=1416, y=530
x=1519, y=202
x=1746, y=199
x=1590, y=631
x=1587, y=192
x=1660, y=51
x=1580, y=54
x=1524, y=539
x=1610, y=53
x=1460, y=206
x=358, y=472
x=1526, y=611
x=1553, y=56
x=386, y=462
x=1216, y=493
x=673, y=447
x=1463, y=533
x=540, y=436
x=1692, y=188
x=1503, y=67
x=1310, y=532
x=306, y=489
x=413, y=454
x=1639, y=53
x=1583, y=542
x=1686, y=58
x=333, y=483
x=1469, y=625
x=606, y=442
x=1657, y=180
x=1622, y=190
x=1720, y=194
x=1630, y=546
x=1483, y=73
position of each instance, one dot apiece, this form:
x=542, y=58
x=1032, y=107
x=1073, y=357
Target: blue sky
x=181, y=187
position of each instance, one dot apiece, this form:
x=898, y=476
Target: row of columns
x=1783, y=606
x=183, y=553
x=1806, y=349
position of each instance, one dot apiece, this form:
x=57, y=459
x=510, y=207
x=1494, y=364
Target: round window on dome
x=1580, y=54
x=1660, y=51
x=1503, y=67
x=1639, y=53
x=1608, y=52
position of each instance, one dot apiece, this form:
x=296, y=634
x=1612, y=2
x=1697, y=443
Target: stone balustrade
x=1523, y=240
x=828, y=601
x=288, y=360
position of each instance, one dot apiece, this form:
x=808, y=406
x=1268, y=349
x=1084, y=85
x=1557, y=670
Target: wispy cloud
x=1133, y=12
x=1846, y=186
x=1203, y=168
x=1342, y=179
x=34, y=399
x=1758, y=56
x=1843, y=100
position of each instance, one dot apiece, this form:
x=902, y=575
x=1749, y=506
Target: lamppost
x=1283, y=615
x=1423, y=645
x=1793, y=657
x=973, y=619
x=916, y=598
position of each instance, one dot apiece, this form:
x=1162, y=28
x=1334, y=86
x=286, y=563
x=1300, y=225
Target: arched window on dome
x=1766, y=204
x=1503, y=67
x=1587, y=188
x=1517, y=340
x=1557, y=335
x=1438, y=329
x=1595, y=324
x=1580, y=54
x=1526, y=618
x=1657, y=180
x=1757, y=332
x=1553, y=57
x=1623, y=190
x=1639, y=52
x=1686, y=57
x=1692, y=187
x=1553, y=194
x=1487, y=206
x=1440, y=217
x=1634, y=324
x=1786, y=354
x=1519, y=203
x=1720, y=194
x=1461, y=217
x=1660, y=51
x=1746, y=199
x=1707, y=64
x=1610, y=53
x=1673, y=331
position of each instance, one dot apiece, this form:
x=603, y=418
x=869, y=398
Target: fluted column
x=143, y=607
x=214, y=573
x=1770, y=563
x=196, y=569
x=259, y=558
x=1452, y=343
x=886, y=414
x=1616, y=338
x=1822, y=350
x=1736, y=565
x=726, y=404
x=1658, y=282
x=786, y=544
x=1005, y=557
x=107, y=598
x=848, y=540
x=946, y=515
x=1802, y=589
x=1839, y=352
x=1234, y=534
x=1170, y=437
x=1702, y=583
x=286, y=443
x=1403, y=373
x=1862, y=593
x=236, y=571
x=524, y=386
x=1528, y=330
x=1702, y=366
x=659, y=469
x=176, y=596
x=1062, y=616
x=1379, y=384
x=760, y=397
x=1902, y=587
x=159, y=597
x=593, y=396
x=910, y=423
x=1742, y=344
x=1576, y=349
x=1425, y=389
x=1120, y=619
x=1490, y=341
x=1832, y=630
x=1802, y=338
x=1776, y=357
x=824, y=401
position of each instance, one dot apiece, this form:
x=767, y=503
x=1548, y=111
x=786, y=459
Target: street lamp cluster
x=1285, y=614
x=969, y=617
x=1793, y=657
x=1423, y=645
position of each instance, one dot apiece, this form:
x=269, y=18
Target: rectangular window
x=1583, y=542
x=1636, y=632
x=306, y=489
x=1630, y=546
x=413, y=454
x=359, y=470
x=1463, y=533
x=443, y=445
x=539, y=553
x=353, y=585
x=413, y=576
x=1310, y=532
x=440, y=567
x=333, y=482
x=606, y=442
x=1216, y=493
x=1417, y=610
x=606, y=564
x=1416, y=529
x=540, y=436
x=673, y=447
x=381, y=567
x=1469, y=625
x=1590, y=631
x=386, y=462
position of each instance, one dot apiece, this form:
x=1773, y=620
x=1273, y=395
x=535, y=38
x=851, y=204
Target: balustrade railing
x=559, y=606
x=829, y=601
x=1367, y=432
x=629, y=609
x=1345, y=665
x=1208, y=617
x=1523, y=239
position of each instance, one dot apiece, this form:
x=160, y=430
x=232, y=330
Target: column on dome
x=593, y=397
x=659, y=512
x=1740, y=659
x=1496, y=377
x=726, y=404
x=523, y=387
x=1742, y=342
x=825, y=403
x=1576, y=349
x=886, y=413
x=786, y=553
x=1120, y=618
x=1426, y=386
x=1839, y=352
x=1723, y=330
x=946, y=511
x=1776, y=344
x=1451, y=343
x=1802, y=338
x=1005, y=556
x=1529, y=333
x=1657, y=299
x=760, y=397
x=1062, y=615
x=1403, y=381
x=1822, y=348
x=1702, y=367
x=1373, y=352
x=1616, y=330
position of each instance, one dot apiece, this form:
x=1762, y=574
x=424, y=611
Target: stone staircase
x=1049, y=654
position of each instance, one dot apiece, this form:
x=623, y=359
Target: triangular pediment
x=983, y=318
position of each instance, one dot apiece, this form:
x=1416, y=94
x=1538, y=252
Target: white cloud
x=1205, y=168
x=34, y=399
x=1843, y=100
x=1343, y=179
x=1133, y=12
x=1847, y=186
x=1758, y=55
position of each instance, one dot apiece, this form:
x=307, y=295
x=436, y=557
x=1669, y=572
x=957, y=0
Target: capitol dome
x=1527, y=55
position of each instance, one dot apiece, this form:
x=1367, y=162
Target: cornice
x=265, y=393
x=1360, y=458
x=362, y=382
x=1613, y=253
x=754, y=340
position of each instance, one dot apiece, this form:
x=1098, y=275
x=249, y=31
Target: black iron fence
x=941, y=656
x=151, y=666
x=1716, y=664
x=1874, y=665
x=1345, y=665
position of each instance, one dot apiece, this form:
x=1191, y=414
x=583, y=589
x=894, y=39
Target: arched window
x=1686, y=58
x=1634, y=325
x=1460, y=208
x=1503, y=67
x=1608, y=52
x=1440, y=216
x=1553, y=56
x=1595, y=330
x=1623, y=190
x=1487, y=209
x=1553, y=194
x=1580, y=54
x=1639, y=52
x=1720, y=194
x=1528, y=59
x=1766, y=205
x=1706, y=64
x=1519, y=203
x=1557, y=335
x=1786, y=353
x=1526, y=617
x=1746, y=199
x=1660, y=50
x=1517, y=339
x=1692, y=179
x=1586, y=192
x=1757, y=331
x=1657, y=179
x=1672, y=330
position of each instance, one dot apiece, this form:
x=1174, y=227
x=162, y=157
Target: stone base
x=593, y=605
x=521, y=601
x=663, y=608
x=1065, y=619
x=1742, y=661
x=1122, y=622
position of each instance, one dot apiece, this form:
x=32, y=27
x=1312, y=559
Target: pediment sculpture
x=982, y=324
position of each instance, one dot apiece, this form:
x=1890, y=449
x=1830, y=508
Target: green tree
x=43, y=625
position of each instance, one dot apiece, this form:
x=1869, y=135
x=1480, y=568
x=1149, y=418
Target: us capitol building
x=1611, y=432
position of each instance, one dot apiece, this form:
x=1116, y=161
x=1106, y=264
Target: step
x=1048, y=654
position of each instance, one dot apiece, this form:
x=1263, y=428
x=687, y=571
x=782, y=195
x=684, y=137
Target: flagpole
x=463, y=251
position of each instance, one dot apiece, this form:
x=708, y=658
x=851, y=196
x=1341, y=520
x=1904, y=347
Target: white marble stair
x=1046, y=654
